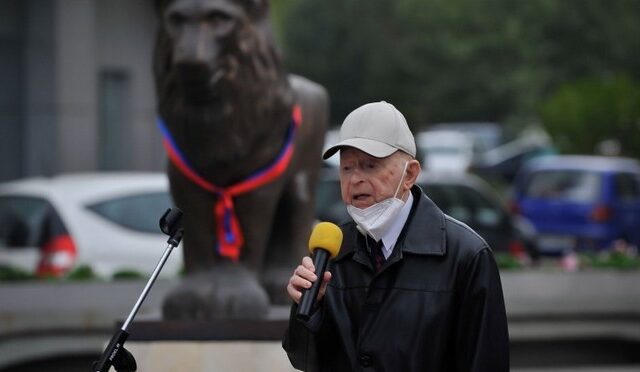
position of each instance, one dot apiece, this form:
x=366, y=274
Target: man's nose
x=356, y=176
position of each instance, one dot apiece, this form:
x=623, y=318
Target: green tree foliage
x=446, y=60
x=582, y=114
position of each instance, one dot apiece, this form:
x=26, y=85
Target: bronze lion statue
x=244, y=140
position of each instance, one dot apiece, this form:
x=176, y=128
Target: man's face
x=366, y=180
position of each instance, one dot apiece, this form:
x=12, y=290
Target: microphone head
x=327, y=236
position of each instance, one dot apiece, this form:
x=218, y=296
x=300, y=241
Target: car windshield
x=139, y=212
x=464, y=204
x=576, y=186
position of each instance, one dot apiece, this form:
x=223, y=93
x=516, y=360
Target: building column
x=76, y=85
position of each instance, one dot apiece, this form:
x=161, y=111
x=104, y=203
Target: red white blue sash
x=229, y=235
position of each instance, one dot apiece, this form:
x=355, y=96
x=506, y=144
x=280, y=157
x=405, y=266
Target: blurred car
x=445, y=150
x=498, y=150
x=462, y=196
x=580, y=203
x=108, y=221
x=485, y=135
x=504, y=161
x=331, y=137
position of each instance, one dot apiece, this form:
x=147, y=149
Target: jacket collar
x=425, y=230
x=423, y=233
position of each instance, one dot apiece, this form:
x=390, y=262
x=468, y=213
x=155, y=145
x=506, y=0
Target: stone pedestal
x=223, y=345
x=211, y=356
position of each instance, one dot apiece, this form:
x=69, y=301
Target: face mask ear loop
x=404, y=171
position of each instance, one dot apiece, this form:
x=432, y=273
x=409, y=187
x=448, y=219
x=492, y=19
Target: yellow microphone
x=324, y=243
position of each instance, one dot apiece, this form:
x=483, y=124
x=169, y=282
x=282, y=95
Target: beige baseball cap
x=378, y=129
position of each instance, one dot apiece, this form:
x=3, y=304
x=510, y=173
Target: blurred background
x=526, y=116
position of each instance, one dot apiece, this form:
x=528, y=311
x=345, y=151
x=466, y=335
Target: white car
x=108, y=221
x=445, y=150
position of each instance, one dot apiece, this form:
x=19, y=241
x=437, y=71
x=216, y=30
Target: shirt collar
x=391, y=237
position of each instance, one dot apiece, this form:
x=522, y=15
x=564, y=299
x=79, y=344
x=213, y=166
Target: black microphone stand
x=115, y=354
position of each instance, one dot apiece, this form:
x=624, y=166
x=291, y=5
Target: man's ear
x=413, y=170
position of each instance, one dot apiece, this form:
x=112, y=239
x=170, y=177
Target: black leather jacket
x=436, y=305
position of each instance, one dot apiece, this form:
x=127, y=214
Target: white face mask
x=378, y=218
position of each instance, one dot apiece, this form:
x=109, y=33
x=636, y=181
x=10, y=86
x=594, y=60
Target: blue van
x=580, y=203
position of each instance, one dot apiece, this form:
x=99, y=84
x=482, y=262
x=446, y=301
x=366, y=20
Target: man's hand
x=302, y=278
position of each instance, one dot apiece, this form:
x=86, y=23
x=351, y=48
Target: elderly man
x=412, y=289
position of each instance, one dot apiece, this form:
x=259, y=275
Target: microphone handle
x=308, y=300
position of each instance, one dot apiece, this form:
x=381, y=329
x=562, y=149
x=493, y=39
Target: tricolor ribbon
x=228, y=232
